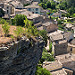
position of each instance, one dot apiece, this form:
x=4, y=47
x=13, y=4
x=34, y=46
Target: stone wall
x=59, y=49
x=21, y=57
x=71, y=48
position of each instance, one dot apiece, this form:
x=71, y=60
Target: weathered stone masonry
x=20, y=58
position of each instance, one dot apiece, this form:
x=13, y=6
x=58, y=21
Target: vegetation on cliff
x=41, y=71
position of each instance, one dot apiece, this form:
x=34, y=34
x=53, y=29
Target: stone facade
x=59, y=49
x=20, y=58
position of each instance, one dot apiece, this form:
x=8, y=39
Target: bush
x=2, y=21
x=46, y=56
x=12, y=21
x=6, y=28
x=67, y=15
x=43, y=33
x=19, y=32
x=60, y=21
x=73, y=15
x=50, y=47
x=41, y=71
x=19, y=20
x=30, y=28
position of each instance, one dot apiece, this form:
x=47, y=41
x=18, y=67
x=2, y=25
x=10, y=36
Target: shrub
x=12, y=37
x=30, y=28
x=59, y=21
x=2, y=21
x=50, y=47
x=41, y=71
x=46, y=56
x=12, y=21
x=6, y=28
x=19, y=32
x=43, y=33
x=19, y=20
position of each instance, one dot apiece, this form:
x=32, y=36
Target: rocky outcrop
x=21, y=57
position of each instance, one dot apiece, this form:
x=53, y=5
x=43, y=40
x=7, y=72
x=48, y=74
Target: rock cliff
x=20, y=57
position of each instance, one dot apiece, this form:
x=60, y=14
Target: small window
x=29, y=9
x=36, y=12
x=36, y=9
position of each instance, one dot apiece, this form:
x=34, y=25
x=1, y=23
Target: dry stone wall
x=21, y=57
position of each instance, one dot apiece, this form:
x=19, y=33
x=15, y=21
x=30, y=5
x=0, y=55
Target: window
x=36, y=9
x=36, y=12
x=29, y=9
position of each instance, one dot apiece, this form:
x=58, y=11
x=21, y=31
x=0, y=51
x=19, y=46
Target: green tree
x=41, y=71
x=19, y=32
x=43, y=33
x=71, y=3
x=46, y=56
x=50, y=47
x=19, y=20
x=2, y=21
x=6, y=27
x=32, y=30
x=48, y=4
x=73, y=15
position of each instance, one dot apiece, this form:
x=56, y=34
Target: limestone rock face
x=21, y=58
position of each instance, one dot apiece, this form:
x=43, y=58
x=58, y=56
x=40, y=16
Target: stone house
x=19, y=11
x=71, y=47
x=10, y=6
x=63, y=65
x=9, y=9
x=68, y=26
x=46, y=22
x=36, y=18
x=25, y=1
x=51, y=66
x=62, y=11
x=57, y=14
x=35, y=8
x=68, y=62
x=49, y=26
x=16, y=4
x=59, y=44
x=68, y=36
